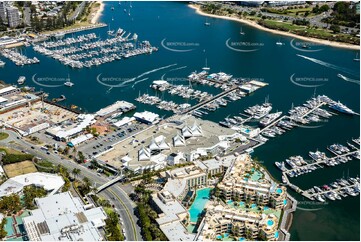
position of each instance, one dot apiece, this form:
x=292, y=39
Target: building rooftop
x=50, y=182
x=63, y=217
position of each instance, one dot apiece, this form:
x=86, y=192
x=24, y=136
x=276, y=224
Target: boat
x=269, y=118
x=330, y=196
x=340, y=107
x=59, y=35
x=320, y=198
x=279, y=43
x=21, y=80
x=206, y=68
x=241, y=32
x=207, y=23
x=112, y=8
x=357, y=58
x=68, y=84
x=2, y=63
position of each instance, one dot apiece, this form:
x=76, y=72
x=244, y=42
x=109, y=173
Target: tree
x=76, y=172
x=3, y=232
x=335, y=28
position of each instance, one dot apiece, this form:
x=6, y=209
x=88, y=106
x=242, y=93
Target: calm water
x=180, y=28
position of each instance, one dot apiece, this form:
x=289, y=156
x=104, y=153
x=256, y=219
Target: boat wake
x=134, y=79
x=328, y=65
x=142, y=80
x=175, y=69
x=348, y=79
x=154, y=70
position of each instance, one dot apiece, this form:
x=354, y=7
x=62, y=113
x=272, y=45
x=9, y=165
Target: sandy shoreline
x=255, y=25
x=98, y=13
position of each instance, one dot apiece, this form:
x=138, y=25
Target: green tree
x=76, y=172
x=3, y=232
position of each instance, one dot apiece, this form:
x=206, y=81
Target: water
x=202, y=197
x=156, y=21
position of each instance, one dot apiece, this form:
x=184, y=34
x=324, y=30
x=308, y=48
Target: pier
x=201, y=104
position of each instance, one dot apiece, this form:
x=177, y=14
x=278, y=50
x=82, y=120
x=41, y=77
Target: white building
x=50, y=182
x=147, y=117
x=13, y=17
x=64, y=217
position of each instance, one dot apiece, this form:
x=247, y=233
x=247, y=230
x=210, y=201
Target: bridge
x=109, y=183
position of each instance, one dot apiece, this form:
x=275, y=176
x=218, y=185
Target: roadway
x=122, y=202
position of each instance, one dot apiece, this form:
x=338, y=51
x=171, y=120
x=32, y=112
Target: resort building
x=225, y=222
x=247, y=182
x=64, y=217
x=171, y=214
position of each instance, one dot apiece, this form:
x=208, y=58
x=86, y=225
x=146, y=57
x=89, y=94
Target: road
x=114, y=193
x=77, y=11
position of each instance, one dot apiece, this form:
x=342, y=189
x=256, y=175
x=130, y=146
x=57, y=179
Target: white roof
x=49, y=182
x=124, y=121
x=7, y=89
x=81, y=139
x=148, y=116
x=144, y=154
x=2, y=100
x=153, y=145
x=61, y=213
x=178, y=140
x=86, y=120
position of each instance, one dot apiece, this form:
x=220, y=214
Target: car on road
x=32, y=147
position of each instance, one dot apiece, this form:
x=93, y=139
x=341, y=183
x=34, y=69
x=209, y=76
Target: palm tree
x=76, y=172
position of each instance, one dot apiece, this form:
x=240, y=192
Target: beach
x=256, y=25
x=98, y=12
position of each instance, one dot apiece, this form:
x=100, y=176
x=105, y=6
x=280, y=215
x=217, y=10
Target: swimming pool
x=279, y=190
x=276, y=234
x=202, y=197
x=270, y=222
x=9, y=226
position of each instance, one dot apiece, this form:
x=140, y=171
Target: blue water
x=9, y=226
x=279, y=190
x=270, y=222
x=202, y=197
x=156, y=21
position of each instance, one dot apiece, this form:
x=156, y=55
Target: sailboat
x=357, y=58
x=207, y=23
x=112, y=18
x=68, y=83
x=241, y=32
x=206, y=68
x=279, y=42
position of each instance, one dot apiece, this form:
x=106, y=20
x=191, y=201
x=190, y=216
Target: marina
x=91, y=95
x=88, y=50
x=18, y=58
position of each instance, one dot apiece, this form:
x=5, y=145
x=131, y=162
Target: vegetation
x=3, y=136
x=112, y=226
x=3, y=232
x=147, y=216
x=10, y=204
x=14, y=158
x=30, y=193
x=343, y=14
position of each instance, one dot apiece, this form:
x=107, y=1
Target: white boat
x=2, y=63
x=241, y=32
x=21, y=80
x=207, y=23
x=68, y=84
x=319, y=198
x=357, y=58
x=206, y=68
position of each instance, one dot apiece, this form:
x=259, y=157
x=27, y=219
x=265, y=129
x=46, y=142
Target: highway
x=119, y=198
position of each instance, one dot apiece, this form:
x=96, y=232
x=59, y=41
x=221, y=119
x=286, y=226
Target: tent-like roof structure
x=178, y=140
x=144, y=154
x=153, y=145
x=163, y=145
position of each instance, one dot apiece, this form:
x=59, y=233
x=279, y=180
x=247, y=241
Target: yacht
x=21, y=80
x=269, y=118
x=320, y=198
x=357, y=58
x=206, y=68
x=338, y=106
x=2, y=63
x=69, y=84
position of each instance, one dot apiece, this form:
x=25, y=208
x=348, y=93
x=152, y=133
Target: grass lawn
x=9, y=151
x=3, y=136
